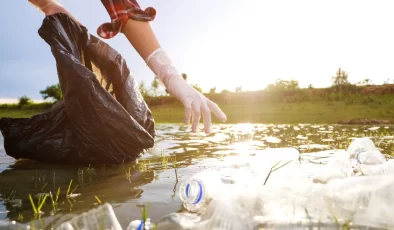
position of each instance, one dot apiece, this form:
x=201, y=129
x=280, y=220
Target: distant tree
x=155, y=86
x=341, y=78
x=52, y=91
x=310, y=86
x=212, y=90
x=281, y=85
x=364, y=82
x=144, y=91
x=225, y=91
x=367, y=82
x=24, y=100
x=387, y=81
x=197, y=87
x=238, y=88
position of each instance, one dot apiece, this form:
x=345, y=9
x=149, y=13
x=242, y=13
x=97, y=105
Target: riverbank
x=266, y=112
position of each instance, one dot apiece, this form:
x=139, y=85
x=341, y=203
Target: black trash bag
x=102, y=118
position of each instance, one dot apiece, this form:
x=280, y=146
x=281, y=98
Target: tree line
x=340, y=83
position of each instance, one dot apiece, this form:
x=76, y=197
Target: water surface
x=155, y=178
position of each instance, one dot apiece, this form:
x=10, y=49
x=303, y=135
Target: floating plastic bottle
x=360, y=145
x=102, y=217
x=200, y=189
x=372, y=157
x=386, y=168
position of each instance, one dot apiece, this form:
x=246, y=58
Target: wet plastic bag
x=102, y=117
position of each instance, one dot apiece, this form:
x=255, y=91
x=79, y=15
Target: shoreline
x=261, y=114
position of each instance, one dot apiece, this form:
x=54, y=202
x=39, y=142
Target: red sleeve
x=120, y=11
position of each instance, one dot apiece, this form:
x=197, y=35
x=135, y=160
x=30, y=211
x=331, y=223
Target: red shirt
x=120, y=11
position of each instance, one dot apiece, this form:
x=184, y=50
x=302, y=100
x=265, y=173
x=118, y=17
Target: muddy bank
x=365, y=122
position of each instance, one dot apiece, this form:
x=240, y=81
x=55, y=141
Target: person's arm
x=143, y=39
x=49, y=7
x=128, y=17
x=134, y=24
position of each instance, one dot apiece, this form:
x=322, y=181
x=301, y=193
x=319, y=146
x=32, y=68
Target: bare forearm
x=44, y=5
x=49, y=7
x=141, y=37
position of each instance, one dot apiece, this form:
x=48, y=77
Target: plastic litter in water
x=292, y=194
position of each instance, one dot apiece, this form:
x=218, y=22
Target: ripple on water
x=272, y=139
x=325, y=131
x=176, y=156
x=301, y=137
x=314, y=146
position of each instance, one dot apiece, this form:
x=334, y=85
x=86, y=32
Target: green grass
x=16, y=113
x=317, y=112
x=306, y=112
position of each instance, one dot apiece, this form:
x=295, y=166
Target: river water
x=155, y=178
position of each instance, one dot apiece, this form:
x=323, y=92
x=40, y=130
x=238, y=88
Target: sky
x=220, y=43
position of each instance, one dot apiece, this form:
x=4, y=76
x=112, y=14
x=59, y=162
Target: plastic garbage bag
x=102, y=117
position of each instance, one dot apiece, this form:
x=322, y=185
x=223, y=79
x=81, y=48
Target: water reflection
x=116, y=185
x=155, y=177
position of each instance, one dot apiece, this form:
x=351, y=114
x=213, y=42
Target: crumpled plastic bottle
x=201, y=188
x=360, y=145
x=371, y=157
x=102, y=217
x=387, y=168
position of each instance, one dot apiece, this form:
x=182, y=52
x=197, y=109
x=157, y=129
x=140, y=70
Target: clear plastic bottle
x=102, y=217
x=360, y=145
x=372, y=157
x=386, y=168
x=200, y=189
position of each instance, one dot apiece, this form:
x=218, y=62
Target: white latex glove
x=194, y=102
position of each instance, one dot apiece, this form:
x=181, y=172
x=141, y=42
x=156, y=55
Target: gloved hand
x=194, y=102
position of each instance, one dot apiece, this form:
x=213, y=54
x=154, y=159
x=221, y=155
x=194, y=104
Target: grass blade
x=42, y=202
x=44, y=186
x=98, y=200
x=69, y=186
x=74, y=189
x=276, y=164
x=57, y=194
x=32, y=204
x=281, y=166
